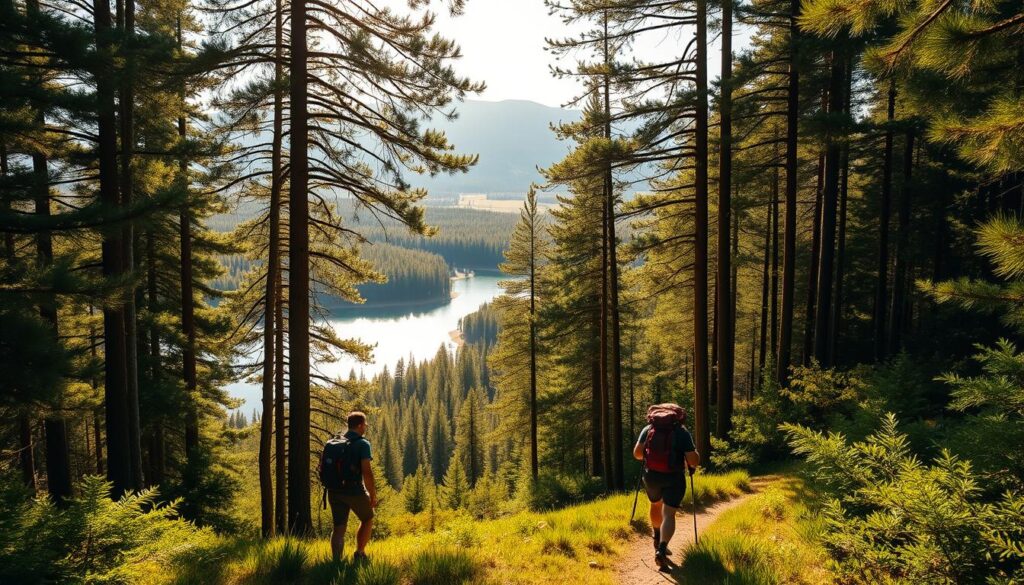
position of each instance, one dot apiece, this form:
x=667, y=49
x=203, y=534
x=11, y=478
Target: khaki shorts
x=342, y=503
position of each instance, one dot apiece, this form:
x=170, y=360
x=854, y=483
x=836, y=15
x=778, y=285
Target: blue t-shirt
x=361, y=447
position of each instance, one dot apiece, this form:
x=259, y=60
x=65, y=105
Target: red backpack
x=665, y=420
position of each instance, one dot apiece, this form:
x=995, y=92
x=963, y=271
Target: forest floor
x=636, y=566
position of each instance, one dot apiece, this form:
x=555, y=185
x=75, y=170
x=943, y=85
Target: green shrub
x=92, y=540
x=893, y=518
x=442, y=566
x=557, y=490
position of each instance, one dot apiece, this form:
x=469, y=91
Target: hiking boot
x=359, y=558
x=657, y=539
x=661, y=555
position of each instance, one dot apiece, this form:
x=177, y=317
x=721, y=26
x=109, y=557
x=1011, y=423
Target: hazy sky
x=503, y=45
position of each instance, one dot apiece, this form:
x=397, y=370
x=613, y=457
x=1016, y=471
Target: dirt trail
x=637, y=566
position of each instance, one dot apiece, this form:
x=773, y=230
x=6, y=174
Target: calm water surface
x=397, y=333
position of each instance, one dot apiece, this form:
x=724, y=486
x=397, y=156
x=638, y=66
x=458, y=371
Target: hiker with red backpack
x=349, y=485
x=668, y=452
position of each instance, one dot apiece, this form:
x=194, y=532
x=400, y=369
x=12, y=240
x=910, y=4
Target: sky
x=503, y=44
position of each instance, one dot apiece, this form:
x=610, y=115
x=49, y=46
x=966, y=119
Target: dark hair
x=356, y=418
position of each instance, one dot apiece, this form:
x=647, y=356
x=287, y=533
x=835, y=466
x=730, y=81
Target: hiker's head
x=357, y=422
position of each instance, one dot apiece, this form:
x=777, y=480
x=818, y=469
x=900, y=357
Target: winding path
x=636, y=566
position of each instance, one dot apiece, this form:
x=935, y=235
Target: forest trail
x=637, y=567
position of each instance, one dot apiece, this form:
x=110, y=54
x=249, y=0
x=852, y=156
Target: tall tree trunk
x=765, y=284
x=830, y=201
x=773, y=308
x=280, y=430
x=700, y=264
x=58, y=459
x=157, y=459
x=613, y=281
x=900, y=273
x=606, y=446
x=885, y=206
x=812, y=273
x=97, y=412
x=534, y=468
x=270, y=293
x=127, y=112
x=596, y=453
x=188, y=323
x=119, y=469
x=299, y=519
x=844, y=183
x=724, y=318
x=785, y=349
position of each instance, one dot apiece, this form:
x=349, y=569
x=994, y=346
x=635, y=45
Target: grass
x=770, y=539
x=575, y=544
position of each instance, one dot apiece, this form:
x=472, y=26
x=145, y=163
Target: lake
x=397, y=333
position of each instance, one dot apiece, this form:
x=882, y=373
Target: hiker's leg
x=668, y=523
x=363, y=536
x=338, y=541
x=656, y=514
x=339, y=518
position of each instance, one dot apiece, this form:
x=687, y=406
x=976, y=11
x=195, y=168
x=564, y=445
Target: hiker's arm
x=692, y=459
x=371, y=487
x=638, y=451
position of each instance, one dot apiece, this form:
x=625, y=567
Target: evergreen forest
x=801, y=220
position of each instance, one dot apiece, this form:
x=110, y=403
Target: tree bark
x=280, y=429
x=830, y=202
x=270, y=293
x=606, y=447
x=844, y=183
x=127, y=112
x=900, y=272
x=596, y=456
x=119, y=469
x=618, y=471
x=765, y=280
x=188, y=323
x=785, y=348
x=157, y=459
x=700, y=264
x=812, y=273
x=299, y=519
x=724, y=318
x=885, y=206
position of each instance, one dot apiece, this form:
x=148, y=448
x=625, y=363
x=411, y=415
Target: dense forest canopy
x=817, y=250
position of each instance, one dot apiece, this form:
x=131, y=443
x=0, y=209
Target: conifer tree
x=469, y=436
x=455, y=486
x=524, y=260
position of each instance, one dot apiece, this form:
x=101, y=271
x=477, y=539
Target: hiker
x=667, y=450
x=349, y=485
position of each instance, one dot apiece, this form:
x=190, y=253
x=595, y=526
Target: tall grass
x=577, y=544
x=767, y=540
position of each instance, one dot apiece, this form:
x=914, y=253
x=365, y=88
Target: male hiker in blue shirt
x=346, y=474
x=667, y=450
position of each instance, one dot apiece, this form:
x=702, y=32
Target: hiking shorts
x=670, y=487
x=342, y=503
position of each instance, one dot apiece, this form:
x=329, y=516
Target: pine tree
x=469, y=436
x=456, y=486
x=378, y=90
x=524, y=262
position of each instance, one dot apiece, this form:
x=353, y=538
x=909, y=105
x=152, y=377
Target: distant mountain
x=512, y=137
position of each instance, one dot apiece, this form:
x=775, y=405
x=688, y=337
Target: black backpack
x=340, y=466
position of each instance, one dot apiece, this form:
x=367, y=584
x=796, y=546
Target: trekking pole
x=636, y=495
x=693, y=500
